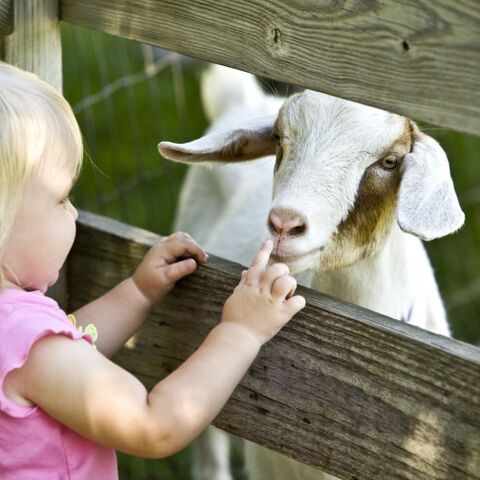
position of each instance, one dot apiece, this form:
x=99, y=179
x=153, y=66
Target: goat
x=345, y=191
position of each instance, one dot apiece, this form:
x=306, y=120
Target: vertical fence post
x=35, y=44
x=30, y=39
x=6, y=17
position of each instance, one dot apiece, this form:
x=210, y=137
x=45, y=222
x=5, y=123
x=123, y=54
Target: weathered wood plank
x=352, y=392
x=6, y=17
x=416, y=58
x=35, y=44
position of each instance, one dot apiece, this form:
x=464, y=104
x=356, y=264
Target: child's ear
x=428, y=206
x=247, y=142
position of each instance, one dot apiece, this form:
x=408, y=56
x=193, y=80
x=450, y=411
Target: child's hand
x=160, y=268
x=263, y=301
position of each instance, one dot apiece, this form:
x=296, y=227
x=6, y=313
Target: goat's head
x=344, y=174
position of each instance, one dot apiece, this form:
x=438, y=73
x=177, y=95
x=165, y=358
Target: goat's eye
x=389, y=162
x=276, y=137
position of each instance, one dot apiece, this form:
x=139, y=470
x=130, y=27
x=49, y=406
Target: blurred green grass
x=129, y=181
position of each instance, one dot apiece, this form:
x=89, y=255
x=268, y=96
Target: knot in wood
x=275, y=43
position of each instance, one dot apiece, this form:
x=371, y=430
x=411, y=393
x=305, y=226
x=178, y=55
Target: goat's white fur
x=327, y=144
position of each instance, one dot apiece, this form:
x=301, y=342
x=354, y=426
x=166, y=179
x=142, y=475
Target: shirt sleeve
x=24, y=328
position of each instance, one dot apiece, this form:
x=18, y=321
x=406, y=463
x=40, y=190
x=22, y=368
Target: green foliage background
x=129, y=181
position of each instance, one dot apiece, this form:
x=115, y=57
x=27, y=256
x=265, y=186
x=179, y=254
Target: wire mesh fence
x=127, y=97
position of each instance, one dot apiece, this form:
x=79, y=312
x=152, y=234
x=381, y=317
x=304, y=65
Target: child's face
x=43, y=232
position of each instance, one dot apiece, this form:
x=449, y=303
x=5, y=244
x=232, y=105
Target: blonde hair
x=38, y=132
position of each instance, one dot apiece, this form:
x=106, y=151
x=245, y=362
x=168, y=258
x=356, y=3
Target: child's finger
x=182, y=246
x=272, y=273
x=263, y=255
x=178, y=270
x=284, y=287
x=295, y=304
x=260, y=261
x=243, y=279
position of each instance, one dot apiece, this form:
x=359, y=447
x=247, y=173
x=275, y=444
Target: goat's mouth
x=296, y=258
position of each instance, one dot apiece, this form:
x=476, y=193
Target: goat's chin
x=298, y=263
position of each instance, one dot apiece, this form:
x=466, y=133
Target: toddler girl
x=64, y=406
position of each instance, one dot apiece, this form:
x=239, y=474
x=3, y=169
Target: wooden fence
x=352, y=392
x=345, y=389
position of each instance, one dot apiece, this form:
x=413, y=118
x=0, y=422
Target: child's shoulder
x=20, y=308
x=26, y=317
x=11, y=297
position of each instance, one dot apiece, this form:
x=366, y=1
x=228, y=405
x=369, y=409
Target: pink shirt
x=34, y=446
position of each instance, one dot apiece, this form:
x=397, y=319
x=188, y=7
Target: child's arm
x=85, y=391
x=119, y=313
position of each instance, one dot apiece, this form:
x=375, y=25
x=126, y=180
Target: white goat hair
x=347, y=191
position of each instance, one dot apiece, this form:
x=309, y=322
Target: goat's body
x=226, y=209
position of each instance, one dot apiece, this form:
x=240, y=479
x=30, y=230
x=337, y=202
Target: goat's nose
x=286, y=222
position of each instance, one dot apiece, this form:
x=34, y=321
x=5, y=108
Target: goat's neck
x=381, y=282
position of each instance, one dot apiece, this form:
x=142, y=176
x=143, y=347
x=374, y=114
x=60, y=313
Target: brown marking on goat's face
x=364, y=231
x=404, y=144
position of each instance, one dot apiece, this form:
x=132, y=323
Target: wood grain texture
x=35, y=44
x=6, y=17
x=352, y=392
x=414, y=57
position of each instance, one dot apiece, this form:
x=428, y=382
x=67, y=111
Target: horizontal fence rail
x=349, y=391
x=417, y=58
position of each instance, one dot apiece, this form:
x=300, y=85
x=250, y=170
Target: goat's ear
x=247, y=142
x=427, y=203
